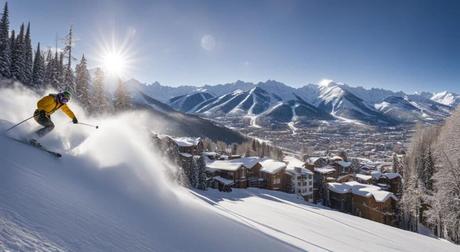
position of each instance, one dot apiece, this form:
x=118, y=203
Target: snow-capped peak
x=238, y=91
x=325, y=82
x=446, y=98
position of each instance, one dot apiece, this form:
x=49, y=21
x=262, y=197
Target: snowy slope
x=344, y=105
x=189, y=102
x=315, y=228
x=403, y=109
x=109, y=192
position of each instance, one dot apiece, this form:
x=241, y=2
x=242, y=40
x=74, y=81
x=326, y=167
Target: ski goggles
x=63, y=99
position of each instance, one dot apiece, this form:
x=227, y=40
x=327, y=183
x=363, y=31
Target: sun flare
x=116, y=57
x=114, y=63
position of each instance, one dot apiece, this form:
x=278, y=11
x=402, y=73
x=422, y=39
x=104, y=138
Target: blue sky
x=400, y=45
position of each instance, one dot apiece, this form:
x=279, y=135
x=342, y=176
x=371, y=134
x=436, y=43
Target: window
x=276, y=181
x=309, y=177
x=310, y=189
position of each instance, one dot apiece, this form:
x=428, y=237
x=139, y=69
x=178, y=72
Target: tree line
x=431, y=173
x=52, y=68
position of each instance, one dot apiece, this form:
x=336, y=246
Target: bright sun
x=114, y=63
x=116, y=57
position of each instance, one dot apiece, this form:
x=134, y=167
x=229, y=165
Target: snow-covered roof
x=232, y=164
x=293, y=162
x=363, y=177
x=392, y=175
x=272, y=166
x=343, y=163
x=376, y=174
x=186, y=141
x=295, y=171
x=210, y=153
x=370, y=190
x=249, y=162
x=324, y=170
x=337, y=158
x=224, y=180
x=186, y=154
x=226, y=165
x=339, y=187
x=312, y=160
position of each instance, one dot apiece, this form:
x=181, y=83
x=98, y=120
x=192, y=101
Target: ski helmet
x=64, y=97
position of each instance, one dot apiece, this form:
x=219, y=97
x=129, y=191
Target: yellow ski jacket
x=50, y=105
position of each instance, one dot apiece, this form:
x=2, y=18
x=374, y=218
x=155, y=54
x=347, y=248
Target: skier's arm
x=68, y=112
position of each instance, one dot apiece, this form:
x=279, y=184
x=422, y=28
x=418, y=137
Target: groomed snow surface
x=315, y=228
x=111, y=192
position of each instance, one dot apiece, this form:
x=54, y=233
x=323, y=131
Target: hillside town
x=349, y=185
x=374, y=143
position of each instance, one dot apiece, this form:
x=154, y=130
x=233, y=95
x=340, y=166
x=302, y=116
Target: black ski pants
x=44, y=120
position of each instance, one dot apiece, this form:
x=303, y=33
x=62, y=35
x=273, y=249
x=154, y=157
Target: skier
x=47, y=106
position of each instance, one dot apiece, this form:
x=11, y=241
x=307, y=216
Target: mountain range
x=273, y=102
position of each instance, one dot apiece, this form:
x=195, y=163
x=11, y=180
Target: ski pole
x=89, y=125
x=14, y=126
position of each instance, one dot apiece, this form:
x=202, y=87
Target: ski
x=38, y=146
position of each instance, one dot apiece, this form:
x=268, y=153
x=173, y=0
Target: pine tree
x=53, y=72
x=82, y=81
x=69, y=79
x=38, y=71
x=122, y=100
x=18, y=59
x=99, y=102
x=48, y=68
x=28, y=59
x=61, y=72
x=5, y=47
x=428, y=170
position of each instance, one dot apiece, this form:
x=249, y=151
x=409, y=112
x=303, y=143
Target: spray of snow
x=111, y=190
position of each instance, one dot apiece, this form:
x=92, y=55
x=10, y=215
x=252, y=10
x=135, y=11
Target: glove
x=74, y=120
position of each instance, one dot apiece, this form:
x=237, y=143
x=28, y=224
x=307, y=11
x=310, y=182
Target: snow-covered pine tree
x=82, y=80
x=69, y=79
x=428, y=170
x=48, y=68
x=122, y=99
x=28, y=58
x=61, y=72
x=38, y=71
x=5, y=47
x=397, y=166
x=53, y=71
x=99, y=103
x=18, y=59
x=447, y=180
